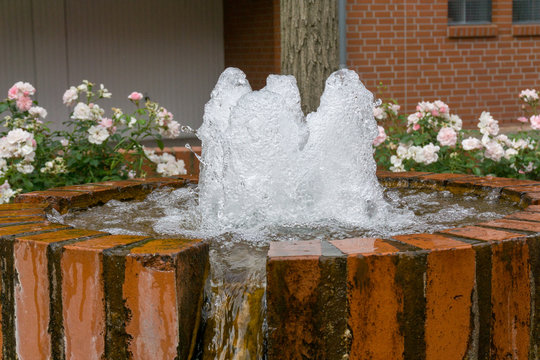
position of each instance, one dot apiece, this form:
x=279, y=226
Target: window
x=524, y=11
x=469, y=12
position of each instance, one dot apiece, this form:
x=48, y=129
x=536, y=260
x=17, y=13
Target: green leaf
x=3, y=107
x=160, y=144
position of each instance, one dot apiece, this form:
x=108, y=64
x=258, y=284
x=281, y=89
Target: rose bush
x=95, y=148
x=432, y=139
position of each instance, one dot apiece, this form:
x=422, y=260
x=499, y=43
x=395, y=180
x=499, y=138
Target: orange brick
x=525, y=215
x=364, y=246
x=291, y=284
x=450, y=280
x=153, y=273
x=30, y=228
x=20, y=219
x=21, y=206
x=32, y=297
x=511, y=300
x=23, y=212
x=431, y=241
x=83, y=296
x=514, y=225
x=481, y=233
x=375, y=302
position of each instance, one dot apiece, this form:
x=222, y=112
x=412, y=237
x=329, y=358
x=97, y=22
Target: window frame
x=464, y=15
x=528, y=11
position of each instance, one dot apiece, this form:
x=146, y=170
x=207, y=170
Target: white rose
x=171, y=168
x=173, y=129
x=24, y=168
x=26, y=150
x=402, y=151
x=416, y=153
x=456, y=122
x=379, y=113
x=509, y=153
x=6, y=193
x=82, y=112
x=488, y=125
x=430, y=153
x=471, y=144
x=397, y=164
x=18, y=136
x=97, y=134
x=494, y=151
x=36, y=111
x=70, y=96
x=447, y=136
x=132, y=122
x=519, y=144
x=96, y=112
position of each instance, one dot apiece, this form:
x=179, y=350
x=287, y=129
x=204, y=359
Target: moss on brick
x=410, y=277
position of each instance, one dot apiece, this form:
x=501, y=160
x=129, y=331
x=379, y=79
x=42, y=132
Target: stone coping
x=81, y=294
x=468, y=292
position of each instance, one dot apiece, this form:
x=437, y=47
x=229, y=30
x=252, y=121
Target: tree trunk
x=309, y=45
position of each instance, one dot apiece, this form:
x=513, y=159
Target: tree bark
x=309, y=45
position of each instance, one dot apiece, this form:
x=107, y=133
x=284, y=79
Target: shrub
x=432, y=139
x=32, y=157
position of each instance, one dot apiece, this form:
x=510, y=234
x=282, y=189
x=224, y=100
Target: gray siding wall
x=171, y=50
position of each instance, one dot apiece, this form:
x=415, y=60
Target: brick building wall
x=252, y=38
x=409, y=47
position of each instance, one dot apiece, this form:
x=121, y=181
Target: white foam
x=264, y=164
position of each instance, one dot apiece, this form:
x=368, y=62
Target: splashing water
x=264, y=164
x=270, y=174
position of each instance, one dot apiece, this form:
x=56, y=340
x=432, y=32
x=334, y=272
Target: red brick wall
x=411, y=49
x=252, y=38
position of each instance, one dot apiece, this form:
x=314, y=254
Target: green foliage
x=94, y=148
x=412, y=143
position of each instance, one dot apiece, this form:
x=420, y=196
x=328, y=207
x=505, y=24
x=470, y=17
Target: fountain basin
x=463, y=293
x=81, y=294
x=468, y=291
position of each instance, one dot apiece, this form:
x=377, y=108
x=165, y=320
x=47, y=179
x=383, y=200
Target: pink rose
x=535, y=122
x=434, y=112
x=106, y=122
x=135, y=96
x=381, y=137
x=416, y=127
x=24, y=103
x=13, y=92
x=447, y=136
x=522, y=119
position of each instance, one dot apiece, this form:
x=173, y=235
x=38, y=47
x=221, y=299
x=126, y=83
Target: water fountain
x=342, y=283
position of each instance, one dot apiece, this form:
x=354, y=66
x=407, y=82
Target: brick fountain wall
x=79, y=294
x=469, y=292
x=464, y=293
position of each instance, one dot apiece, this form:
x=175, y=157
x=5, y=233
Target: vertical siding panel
x=51, y=62
x=16, y=39
x=172, y=50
